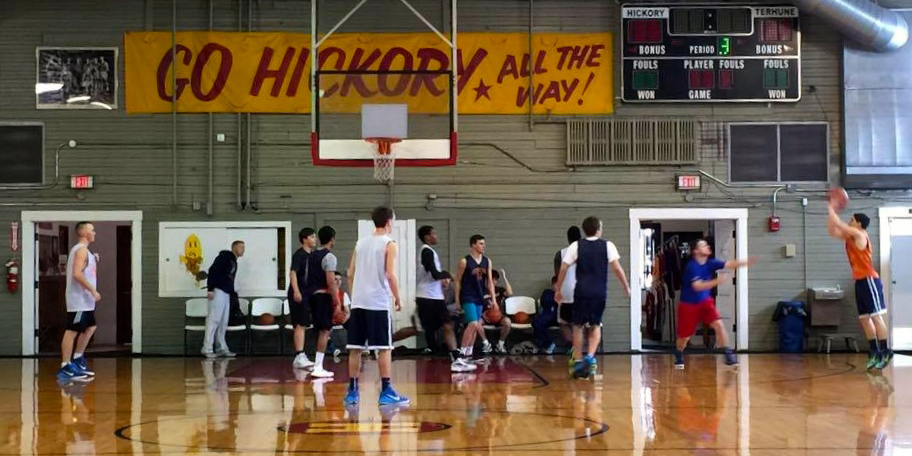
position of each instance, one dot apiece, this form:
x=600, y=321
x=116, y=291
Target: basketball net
x=384, y=158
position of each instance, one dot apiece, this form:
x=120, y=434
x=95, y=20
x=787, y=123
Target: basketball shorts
x=691, y=314
x=299, y=312
x=370, y=330
x=869, y=297
x=471, y=312
x=587, y=311
x=80, y=321
x=565, y=314
x=433, y=313
x=321, y=311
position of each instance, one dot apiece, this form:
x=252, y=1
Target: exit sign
x=688, y=182
x=81, y=181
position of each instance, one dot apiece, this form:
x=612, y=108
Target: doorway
x=48, y=237
x=661, y=240
x=896, y=272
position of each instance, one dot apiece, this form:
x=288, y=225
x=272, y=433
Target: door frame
x=884, y=215
x=739, y=215
x=29, y=219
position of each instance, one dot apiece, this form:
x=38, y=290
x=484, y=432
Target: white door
x=725, y=249
x=405, y=236
x=898, y=303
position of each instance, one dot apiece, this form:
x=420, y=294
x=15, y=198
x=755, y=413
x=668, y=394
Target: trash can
x=792, y=317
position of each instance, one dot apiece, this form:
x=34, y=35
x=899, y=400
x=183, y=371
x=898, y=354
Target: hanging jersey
x=474, y=280
x=371, y=289
x=861, y=260
x=427, y=287
x=569, y=281
x=78, y=298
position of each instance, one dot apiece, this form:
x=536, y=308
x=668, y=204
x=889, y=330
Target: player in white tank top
x=370, y=325
x=81, y=296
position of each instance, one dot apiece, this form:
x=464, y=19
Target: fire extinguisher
x=12, y=276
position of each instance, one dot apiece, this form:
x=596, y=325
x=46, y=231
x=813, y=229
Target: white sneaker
x=321, y=373
x=501, y=348
x=302, y=362
x=486, y=347
x=461, y=365
x=226, y=354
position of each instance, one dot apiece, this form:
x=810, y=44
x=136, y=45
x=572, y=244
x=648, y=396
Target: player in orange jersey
x=869, y=295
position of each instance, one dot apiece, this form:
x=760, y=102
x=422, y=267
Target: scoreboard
x=730, y=53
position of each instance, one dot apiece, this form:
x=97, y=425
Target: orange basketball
x=339, y=316
x=493, y=315
x=266, y=319
x=839, y=198
x=521, y=318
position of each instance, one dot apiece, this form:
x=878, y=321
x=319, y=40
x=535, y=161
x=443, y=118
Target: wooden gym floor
x=770, y=405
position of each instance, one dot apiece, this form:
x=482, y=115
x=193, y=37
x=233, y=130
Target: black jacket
x=222, y=271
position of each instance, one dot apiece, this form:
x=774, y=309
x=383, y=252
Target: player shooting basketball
x=869, y=295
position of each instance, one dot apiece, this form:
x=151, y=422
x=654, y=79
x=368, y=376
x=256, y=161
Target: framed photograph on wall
x=76, y=78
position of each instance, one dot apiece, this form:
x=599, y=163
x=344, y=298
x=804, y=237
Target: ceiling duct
x=863, y=21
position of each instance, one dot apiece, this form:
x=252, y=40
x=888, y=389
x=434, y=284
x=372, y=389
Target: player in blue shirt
x=697, y=304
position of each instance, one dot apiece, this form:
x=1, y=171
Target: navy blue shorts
x=587, y=312
x=869, y=297
x=370, y=330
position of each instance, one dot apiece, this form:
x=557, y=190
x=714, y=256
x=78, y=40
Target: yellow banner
x=269, y=72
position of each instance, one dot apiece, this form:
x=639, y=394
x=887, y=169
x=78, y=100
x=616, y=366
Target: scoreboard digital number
x=675, y=53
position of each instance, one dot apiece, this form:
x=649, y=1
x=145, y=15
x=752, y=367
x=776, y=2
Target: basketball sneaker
x=461, y=365
x=873, y=359
x=83, y=366
x=389, y=396
x=486, y=347
x=302, y=361
x=593, y=364
x=70, y=372
x=321, y=373
x=730, y=358
x=570, y=357
x=501, y=348
x=580, y=369
x=550, y=349
x=885, y=359
x=679, y=360
x=226, y=354
x=209, y=354
x=352, y=397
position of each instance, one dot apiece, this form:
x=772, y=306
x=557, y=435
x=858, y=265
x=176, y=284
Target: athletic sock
x=63, y=364
x=883, y=345
x=875, y=349
x=384, y=383
x=353, y=383
x=469, y=351
x=318, y=360
x=77, y=356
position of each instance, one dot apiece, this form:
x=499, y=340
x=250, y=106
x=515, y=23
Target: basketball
x=521, y=318
x=839, y=198
x=339, y=316
x=493, y=314
x=266, y=319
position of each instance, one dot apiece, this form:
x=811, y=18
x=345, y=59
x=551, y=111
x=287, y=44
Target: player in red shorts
x=697, y=304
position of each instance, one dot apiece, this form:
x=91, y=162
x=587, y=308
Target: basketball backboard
x=410, y=108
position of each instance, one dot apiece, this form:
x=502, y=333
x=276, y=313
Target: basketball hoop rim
x=384, y=144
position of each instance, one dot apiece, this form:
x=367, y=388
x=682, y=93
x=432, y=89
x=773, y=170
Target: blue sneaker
x=679, y=360
x=580, y=369
x=83, y=366
x=389, y=396
x=352, y=397
x=70, y=372
x=592, y=363
x=730, y=358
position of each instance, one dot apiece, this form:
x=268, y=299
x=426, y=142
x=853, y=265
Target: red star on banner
x=482, y=90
